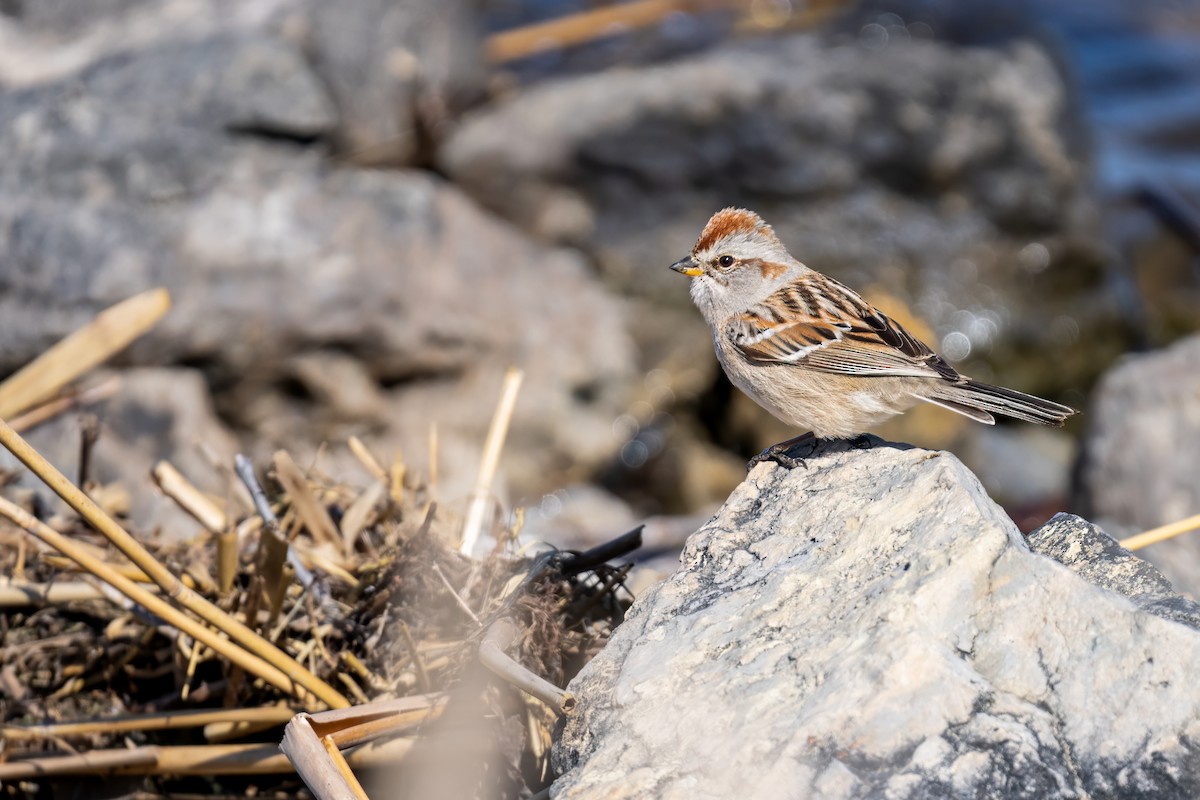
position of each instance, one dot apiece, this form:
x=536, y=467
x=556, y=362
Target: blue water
x=1137, y=65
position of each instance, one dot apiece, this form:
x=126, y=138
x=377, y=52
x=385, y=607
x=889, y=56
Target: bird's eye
x=725, y=261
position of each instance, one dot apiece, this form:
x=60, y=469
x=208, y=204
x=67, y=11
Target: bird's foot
x=861, y=442
x=779, y=453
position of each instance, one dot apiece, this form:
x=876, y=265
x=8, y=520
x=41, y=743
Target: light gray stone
x=398, y=73
x=279, y=255
x=875, y=626
x=1141, y=455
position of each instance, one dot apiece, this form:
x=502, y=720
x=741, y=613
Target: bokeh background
x=366, y=211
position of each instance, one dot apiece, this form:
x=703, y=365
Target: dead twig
x=17, y=593
x=111, y=331
x=589, y=25
x=165, y=721
x=359, y=512
x=367, y=459
x=213, y=759
x=1161, y=534
x=502, y=635
x=249, y=661
x=271, y=532
x=313, y=742
x=53, y=408
x=197, y=504
x=310, y=511
x=457, y=597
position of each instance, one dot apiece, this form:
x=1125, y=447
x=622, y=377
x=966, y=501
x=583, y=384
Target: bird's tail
x=980, y=400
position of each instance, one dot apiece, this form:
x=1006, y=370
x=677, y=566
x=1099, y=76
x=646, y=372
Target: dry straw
x=110, y=332
x=300, y=681
x=1161, y=534
x=497, y=432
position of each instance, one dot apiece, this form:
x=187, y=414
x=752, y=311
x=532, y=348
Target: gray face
x=739, y=271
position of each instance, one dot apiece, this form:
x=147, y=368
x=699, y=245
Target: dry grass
x=93, y=660
x=352, y=614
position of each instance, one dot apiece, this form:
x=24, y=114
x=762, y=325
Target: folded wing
x=817, y=323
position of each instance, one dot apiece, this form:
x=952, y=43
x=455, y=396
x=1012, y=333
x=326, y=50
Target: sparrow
x=816, y=355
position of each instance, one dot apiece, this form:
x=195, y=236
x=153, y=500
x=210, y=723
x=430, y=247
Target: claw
x=778, y=456
x=779, y=453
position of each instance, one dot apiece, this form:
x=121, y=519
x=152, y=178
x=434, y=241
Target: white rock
x=875, y=626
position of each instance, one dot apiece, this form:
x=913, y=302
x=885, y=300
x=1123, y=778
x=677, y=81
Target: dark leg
x=779, y=453
x=861, y=442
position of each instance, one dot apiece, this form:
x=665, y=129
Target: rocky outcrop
x=875, y=626
x=1141, y=454
x=396, y=72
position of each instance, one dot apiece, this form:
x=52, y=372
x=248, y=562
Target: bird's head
x=737, y=261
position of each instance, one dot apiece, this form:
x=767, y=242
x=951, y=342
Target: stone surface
x=399, y=72
x=44, y=42
x=1097, y=557
x=1141, y=454
x=875, y=626
x=945, y=175
x=376, y=265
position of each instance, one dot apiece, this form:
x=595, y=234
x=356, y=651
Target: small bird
x=815, y=354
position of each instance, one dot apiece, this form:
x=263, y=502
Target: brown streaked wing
x=761, y=338
x=817, y=323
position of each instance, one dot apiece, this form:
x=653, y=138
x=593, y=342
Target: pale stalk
x=174, y=485
x=1156, y=535
x=165, y=721
x=213, y=759
x=492, y=447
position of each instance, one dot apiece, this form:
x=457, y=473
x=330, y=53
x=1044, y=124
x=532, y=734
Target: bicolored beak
x=687, y=266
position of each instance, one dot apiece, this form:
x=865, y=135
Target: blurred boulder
x=1141, y=454
x=1025, y=468
x=47, y=40
x=198, y=165
x=67, y=17
x=942, y=174
x=399, y=72
x=150, y=127
x=875, y=626
x=398, y=271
